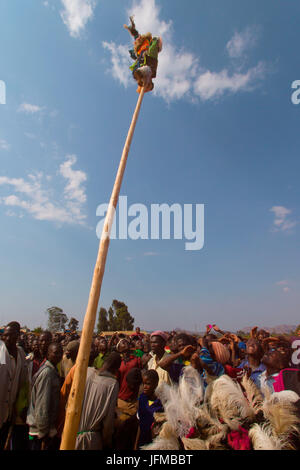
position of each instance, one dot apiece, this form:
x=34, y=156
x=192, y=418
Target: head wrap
x=222, y=354
x=161, y=334
x=242, y=345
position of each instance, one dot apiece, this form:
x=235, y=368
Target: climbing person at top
x=145, y=55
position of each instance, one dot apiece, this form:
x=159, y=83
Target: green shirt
x=100, y=359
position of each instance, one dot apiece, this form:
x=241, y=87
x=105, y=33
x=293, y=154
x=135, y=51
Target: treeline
x=117, y=318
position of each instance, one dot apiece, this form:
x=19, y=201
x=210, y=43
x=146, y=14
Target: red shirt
x=125, y=393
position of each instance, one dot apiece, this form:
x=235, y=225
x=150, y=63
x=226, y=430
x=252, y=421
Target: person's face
x=174, y=346
x=123, y=346
x=55, y=354
x=149, y=386
x=275, y=359
x=157, y=344
x=45, y=340
x=102, y=345
x=10, y=337
x=138, y=330
x=35, y=346
x=182, y=343
x=252, y=347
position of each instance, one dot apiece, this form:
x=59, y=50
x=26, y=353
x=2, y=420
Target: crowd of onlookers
x=121, y=409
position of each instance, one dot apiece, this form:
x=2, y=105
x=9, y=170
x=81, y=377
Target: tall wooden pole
x=73, y=412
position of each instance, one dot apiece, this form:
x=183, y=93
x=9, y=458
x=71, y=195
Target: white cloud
x=281, y=221
x=35, y=199
x=240, y=42
x=212, y=85
x=73, y=190
x=4, y=145
x=29, y=108
x=150, y=253
x=179, y=73
x=120, y=62
x=76, y=14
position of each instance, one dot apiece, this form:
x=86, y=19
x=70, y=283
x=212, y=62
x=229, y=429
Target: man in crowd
x=44, y=403
x=14, y=383
x=44, y=340
x=69, y=358
x=99, y=405
x=158, y=340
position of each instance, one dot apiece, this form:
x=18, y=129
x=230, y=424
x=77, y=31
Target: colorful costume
x=145, y=55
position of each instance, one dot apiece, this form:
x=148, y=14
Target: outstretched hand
x=187, y=351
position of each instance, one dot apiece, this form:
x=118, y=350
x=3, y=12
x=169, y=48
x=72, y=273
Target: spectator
x=158, y=341
x=44, y=341
x=44, y=403
x=253, y=363
x=99, y=405
x=69, y=358
x=14, y=384
x=148, y=405
x=103, y=352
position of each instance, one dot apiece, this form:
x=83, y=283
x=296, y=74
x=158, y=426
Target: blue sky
x=219, y=129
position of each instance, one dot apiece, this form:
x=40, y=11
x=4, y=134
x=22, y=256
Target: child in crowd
x=148, y=405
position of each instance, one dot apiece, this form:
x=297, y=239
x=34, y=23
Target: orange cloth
x=144, y=46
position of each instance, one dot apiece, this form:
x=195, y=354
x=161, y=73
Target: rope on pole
x=73, y=412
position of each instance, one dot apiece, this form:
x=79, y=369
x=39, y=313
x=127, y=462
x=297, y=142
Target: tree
x=111, y=320
x=73, y=324
x=103, y=323
x=123, y=320
x=38, y=330
x=57, y=319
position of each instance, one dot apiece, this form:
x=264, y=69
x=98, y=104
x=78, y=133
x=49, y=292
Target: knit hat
x=221, y=353
x=163, y=335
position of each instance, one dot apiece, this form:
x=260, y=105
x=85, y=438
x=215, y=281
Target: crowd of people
x=163, y=391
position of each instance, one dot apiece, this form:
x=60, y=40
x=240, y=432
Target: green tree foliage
x=123, y=320
x=57, y=319
x=103, y=323
x=111, y=320
x=73, y=324
x=38, y=330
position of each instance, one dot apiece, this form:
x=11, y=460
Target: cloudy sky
x=219, y=129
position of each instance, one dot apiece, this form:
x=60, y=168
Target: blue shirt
x=256, y=373
x=146, y=412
